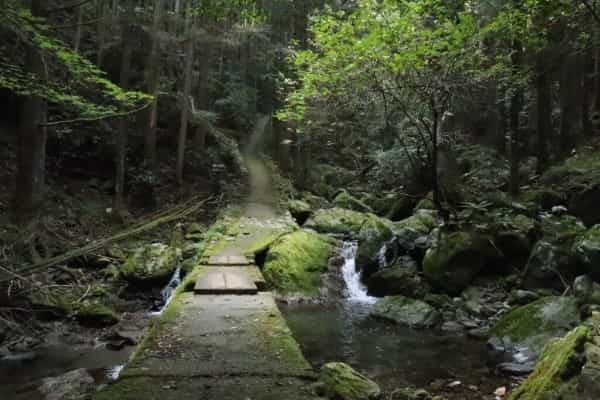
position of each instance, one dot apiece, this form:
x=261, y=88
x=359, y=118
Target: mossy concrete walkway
x=221, y=347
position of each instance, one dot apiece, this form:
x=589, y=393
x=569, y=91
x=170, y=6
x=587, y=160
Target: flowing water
x=394, y=356
x=168, y=291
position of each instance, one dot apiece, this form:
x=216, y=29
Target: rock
x=482, y=333
x=521, y=297
x=346, y=200
x=151, y=265
x=393, y=206
x=513, y=235
x=586, y=290
x=398, y=279
x=534, y=324
x=373, y=234
x=516, y=369
x=94, y=314
x=587, y=249
x=406, y=311
x=16, y=360
x=295, y=262
x=344, y=383
x=337, y=221
x=194, y=227
x=584, y=205
x=452, y=326
x=555, y=375
x=73, y=385
x=413, y=234
x=425, y=203
x=300, y=210
x=455, y=260
x=410, y=394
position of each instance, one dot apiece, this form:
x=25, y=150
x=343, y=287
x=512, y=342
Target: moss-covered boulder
x=300, y=210
x=406, y=311
x=346, y=200
x=426, y=203
x=587, y=250
x=456, y=259
x=532, y=325
x=398, y=280
x=513, y=234
x=344, y=383
x=295, y=262
x=373, y=234
x=338, y=221
x=556, y=374
x=412, y=234
x=151, y=265
x=391, y=205
x=88, y=307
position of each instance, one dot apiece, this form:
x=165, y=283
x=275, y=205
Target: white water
x=113, y=373
x=168, y=291
x=356, y=290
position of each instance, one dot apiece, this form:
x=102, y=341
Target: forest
x=310, y=199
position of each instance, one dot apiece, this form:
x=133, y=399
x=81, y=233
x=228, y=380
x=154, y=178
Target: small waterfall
x=356, y=289
x=113, y=373
x=168, y=291
x=382, y=256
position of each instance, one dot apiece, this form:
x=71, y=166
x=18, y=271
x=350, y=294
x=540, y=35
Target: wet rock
x=516, y=369
x=534, y=324
x=413, y=234
x=73, y=385
x=411, y=394
x=337, y=221
x=584, y=204
x=452, y=327
x=456, y=259
x=373, y=234
x=406, y=311
x=344, y=383
x=16, y=360
x=587, y=249
x=151, y=265
x=481, y=333
x=521, y=297
x=398, y=280
x=346, y=200
x=586, y=290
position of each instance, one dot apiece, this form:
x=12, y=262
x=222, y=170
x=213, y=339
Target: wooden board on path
x=228, y=260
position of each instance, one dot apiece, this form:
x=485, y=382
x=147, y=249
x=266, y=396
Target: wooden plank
x=229, y=260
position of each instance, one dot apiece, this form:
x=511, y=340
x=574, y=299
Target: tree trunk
x=185, y=100
x=121, y=137
x=100, y=15
x=514, y=143
x=570, y=102
x=153, y=88
x=31, y=154
x=544, y=115
x=77, y=39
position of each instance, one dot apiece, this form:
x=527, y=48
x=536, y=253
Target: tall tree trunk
x=514, y=142
x=100, y=15
x=31, y=154
x=77, y=39
x=544, y=115
x=185, y=100
x=571, y=102
x=121, y=137
x=153, y=88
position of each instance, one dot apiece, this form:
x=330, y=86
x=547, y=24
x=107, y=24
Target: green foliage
x=70, y=80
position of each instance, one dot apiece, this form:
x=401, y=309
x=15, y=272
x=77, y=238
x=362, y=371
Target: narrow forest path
x=227, y=340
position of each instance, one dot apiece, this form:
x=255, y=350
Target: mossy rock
x=549, y=264
x=295, y=262
x=398, y=280
x=300, y=210
x=587, y=250
x=406, y=311
x=344, y=383
x=151, y=265
x=373, y=234
x=337, y=221
x=534, y=324
x=426, y=203
x=346, y=200
x=542, y=198
x=422, y=222
x=514, y=236
x=393, y=206
x=563, y=230
x=556, y=374
x=88, y=307
x=457, y=258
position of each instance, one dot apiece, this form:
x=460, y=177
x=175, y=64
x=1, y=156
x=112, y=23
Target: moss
x=300, y=210
x=406, y=311
x=562, y=230
x=374, y=233
x=296, y=261
x=422, y=222
x=338, y=221
x=343, y=382
x=95, y=314
x=153, y=264
x=346, y=200
x=456, y=259
x=555, y=373
x=425, y=204
x=587, y=249
x=536, y=322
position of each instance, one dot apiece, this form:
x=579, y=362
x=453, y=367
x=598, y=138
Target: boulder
x=74, y=385
x=398, y=279
x=586, y=290
x=151, y=265
x=412, y=235
x=534, y=324
x=344, y=383
x=555, y=376
x=456, y=259
x=373, y=234
x=584, y=205
x=300, y=210
x=406, y=311
x=295, y=262
x=346, y=200
x=393, y=206
x=337, y=221
x=587, y=250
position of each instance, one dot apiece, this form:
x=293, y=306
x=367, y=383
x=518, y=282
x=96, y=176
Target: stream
x=393, y=356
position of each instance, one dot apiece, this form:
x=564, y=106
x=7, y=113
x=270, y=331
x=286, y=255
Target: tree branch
x=69, y=6
x=94, y=119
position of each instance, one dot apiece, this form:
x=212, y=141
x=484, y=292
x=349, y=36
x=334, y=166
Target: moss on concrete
x=555, y=374
x=296, y=261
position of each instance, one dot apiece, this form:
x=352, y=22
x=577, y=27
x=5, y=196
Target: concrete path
x=208, y=346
